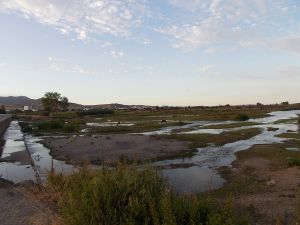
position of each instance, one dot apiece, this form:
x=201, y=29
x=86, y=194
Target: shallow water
x=110, y=124
x=207, y=160
x=202, y=175
x=43, y=161
x=23, y=169
x=15, y=171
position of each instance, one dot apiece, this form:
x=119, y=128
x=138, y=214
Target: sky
x=154, y=52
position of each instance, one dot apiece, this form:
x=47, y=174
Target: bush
x=242, y=117
x=70, y=128
x=293, y=162
x=50, y=125
x=96, y=112
x=125, y=195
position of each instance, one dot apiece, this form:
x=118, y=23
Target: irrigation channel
x=24, y=158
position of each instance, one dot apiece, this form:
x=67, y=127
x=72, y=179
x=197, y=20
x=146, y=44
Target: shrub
x=96, y=112
x=125, y=195
x=293, y=162
x=242, y=117
x=50, y=125
x=70, y=128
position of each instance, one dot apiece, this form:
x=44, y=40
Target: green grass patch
x=278, y=154
x=230, y=125
x=48, y=126
x=128, y=196
x=289, y=135
x=203, y=140
x=293, y=120
x=139, y=127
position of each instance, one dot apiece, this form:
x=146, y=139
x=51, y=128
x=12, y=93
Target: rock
x=271, y=182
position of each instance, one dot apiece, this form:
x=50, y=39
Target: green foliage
x=50, y=125
x=2, y=110
x=293, y=162
x=131, y=196
x=70, y=128
x=56, y=125
x=53, y=102
x=242, y=117
x=96, y=112
x=202, y=140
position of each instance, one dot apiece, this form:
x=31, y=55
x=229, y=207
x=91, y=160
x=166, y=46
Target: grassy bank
x=230, y=125
x=131, y=196
x=203, y=140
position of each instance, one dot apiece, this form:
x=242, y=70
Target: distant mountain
x=18, y=102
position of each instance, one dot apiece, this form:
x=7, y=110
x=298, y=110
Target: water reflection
x=19, y=169
x=209, y=159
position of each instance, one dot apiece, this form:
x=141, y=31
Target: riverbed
x=25, y=158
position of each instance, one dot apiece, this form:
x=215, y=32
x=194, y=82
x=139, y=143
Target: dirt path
x=18, y=208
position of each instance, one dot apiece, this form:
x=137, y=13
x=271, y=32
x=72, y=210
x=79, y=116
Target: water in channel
x=21, y=162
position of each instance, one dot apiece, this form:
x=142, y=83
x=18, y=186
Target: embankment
x=4, y=122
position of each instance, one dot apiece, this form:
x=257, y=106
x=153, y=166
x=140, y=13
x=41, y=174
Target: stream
x=19, y=163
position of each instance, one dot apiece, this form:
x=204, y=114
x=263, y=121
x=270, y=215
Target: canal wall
x=4, y=123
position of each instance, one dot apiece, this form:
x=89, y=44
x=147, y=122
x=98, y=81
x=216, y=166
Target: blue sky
x=158, y=52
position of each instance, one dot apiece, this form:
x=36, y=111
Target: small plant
x=69, y=128
x=242, y=117
x=293, y=162
x=124, y=195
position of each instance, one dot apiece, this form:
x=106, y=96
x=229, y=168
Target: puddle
x=193, y=179
x=110, y=124
x=293, y=149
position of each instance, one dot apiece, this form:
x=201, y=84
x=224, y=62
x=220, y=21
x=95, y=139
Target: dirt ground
x=112, y=148
x=19, y=208
x=277, y=202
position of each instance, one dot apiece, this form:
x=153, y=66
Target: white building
x=27, y=108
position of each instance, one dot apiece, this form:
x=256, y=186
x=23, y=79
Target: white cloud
x=191, y=5
x=117, y=54
x=210, y=50
x=206, y=68
x=290, y=71
x=246, y=23
x=288, y=43
x=63, y=66
x=82, y=17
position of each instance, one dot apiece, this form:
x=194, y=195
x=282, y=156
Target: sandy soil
x=110, y=148
x=19, y=209
x=276, y=203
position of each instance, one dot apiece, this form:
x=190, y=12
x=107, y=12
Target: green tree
x=2, y=110
x=54, y=102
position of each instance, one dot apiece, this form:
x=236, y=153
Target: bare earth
x=111, y=148
x=18, y=208
x=277, y=203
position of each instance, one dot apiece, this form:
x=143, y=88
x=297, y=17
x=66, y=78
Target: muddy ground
x=260, y=179
x=112, y=148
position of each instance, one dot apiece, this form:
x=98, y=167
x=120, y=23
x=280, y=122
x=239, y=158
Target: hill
x=18, y=102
